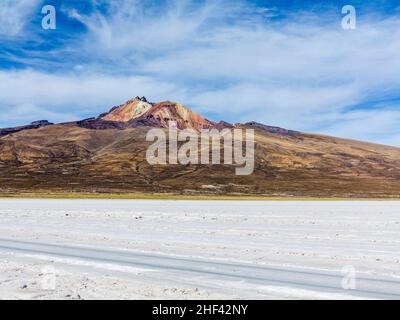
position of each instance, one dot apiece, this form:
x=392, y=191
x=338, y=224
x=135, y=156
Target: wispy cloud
x=28, y=95
x=14, y=16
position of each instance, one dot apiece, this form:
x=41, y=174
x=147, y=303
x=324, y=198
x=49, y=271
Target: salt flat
x=147, y=249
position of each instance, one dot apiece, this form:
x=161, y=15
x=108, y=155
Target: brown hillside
x=76, y=157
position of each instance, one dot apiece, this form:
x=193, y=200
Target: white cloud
x=132, y=26
x=27, y=112
x=376, y=125
x=14, y=15
x=28, y=95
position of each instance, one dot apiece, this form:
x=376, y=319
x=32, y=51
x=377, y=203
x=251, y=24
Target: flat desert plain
x=166, y=249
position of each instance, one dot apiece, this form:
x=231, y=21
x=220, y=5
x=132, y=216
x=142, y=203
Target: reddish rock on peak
x=130, y=110
x=139, y=110
x=164, y=112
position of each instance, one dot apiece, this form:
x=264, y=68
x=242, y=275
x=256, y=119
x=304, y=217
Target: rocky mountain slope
x=33, y=125
x=107, y=154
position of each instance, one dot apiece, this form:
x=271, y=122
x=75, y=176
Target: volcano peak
x=161, y=113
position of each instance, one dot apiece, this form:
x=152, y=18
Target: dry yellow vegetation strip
x=180, y=197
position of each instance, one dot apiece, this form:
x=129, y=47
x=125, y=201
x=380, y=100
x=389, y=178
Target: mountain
x=130, y=110
x=106, y=154
x=161, y=113
x=140, y=112
x=33, y=125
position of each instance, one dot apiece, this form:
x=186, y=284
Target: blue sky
x=284, y=63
